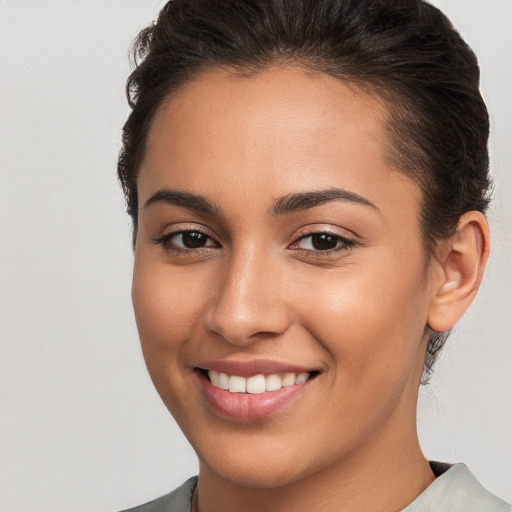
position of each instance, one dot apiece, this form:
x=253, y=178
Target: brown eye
x=192, y=239
x=186, y=240
x=323, y=242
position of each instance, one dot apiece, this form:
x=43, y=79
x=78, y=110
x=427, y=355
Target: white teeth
x=223, y=381
x=288, y=380
x=214, y=377
x=301, y=378
x=257, y=383
x=273, y=383
x=237, y=384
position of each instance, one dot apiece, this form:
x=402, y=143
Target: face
x=279, y=255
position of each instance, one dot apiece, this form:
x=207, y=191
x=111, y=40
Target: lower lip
x=247, y=406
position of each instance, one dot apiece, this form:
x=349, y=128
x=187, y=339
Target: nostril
x=247, y=327
x=246, y=304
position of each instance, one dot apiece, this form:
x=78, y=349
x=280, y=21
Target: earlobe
x=459, y=270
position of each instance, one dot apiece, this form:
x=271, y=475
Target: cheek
x=165, y=303
x=372, y=330
x=166, y=308
x=371, y=322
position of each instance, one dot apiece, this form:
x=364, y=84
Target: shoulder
x=176, y=501
x=456, y=490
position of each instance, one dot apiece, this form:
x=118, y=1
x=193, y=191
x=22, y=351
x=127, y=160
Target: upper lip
x=254, y=367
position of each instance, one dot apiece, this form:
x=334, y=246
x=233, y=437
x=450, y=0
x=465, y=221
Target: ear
x=458, y=271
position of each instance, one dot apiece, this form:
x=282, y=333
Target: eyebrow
x=183, y=199
x=282, y=206
x=304, y=200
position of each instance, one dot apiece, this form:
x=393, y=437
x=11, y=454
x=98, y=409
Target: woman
x=307, y=183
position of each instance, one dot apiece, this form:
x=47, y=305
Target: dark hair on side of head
x=404, y=51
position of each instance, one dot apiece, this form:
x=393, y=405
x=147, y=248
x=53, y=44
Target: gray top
x=454, y=490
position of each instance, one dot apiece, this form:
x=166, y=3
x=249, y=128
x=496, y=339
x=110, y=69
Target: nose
x=249, y=301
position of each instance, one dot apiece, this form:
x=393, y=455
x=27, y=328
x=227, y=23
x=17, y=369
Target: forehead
x=276, y=130
x=290, y=104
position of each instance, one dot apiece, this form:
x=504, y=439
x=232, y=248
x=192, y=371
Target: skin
x=258, y=289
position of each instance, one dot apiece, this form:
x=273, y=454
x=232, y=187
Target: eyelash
x=166, y=241
x=343, y=243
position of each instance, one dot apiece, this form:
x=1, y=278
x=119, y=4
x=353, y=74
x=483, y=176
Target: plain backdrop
x=81, y=428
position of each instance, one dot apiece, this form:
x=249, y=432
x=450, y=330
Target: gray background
x=81, y=428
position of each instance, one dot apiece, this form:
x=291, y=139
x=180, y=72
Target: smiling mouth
x=256, y=384
x=265, y=388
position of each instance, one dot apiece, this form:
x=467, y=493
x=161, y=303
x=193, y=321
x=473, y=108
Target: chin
x=259, y=461
x=259, y=475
